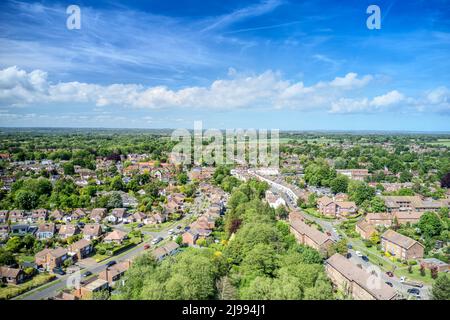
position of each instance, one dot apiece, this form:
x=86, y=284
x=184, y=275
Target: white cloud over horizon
x=267, y=90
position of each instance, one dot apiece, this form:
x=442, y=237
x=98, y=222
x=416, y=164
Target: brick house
x=115, y=272
x=4, y=214
x=364, y=229
x=68, y=230
x=11, y=275
x=190, y=237
x=401, y=246
x=51, y=258
x=379, y=219
x=45, y=231
x=352, y=280
x=80, y=249
x=98, y=214
x=309, y=236
x=92, y=231
x=116, y=236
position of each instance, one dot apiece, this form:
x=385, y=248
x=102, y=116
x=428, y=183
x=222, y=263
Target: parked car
x=41, y=270
x=390, y=274
x=359, y=254
x=365, y=258
x=414, y=291
x=402, y=279
x=348, y=255
x=157, y=240
x=87, y=274
x=349, y=246
x=59, y=271
x=170, y=231
x=111, y=263
x=140, y=225
x=329, y=233
x=179, y=227
x=186, y=228
x=146, y=246
x=389, y=284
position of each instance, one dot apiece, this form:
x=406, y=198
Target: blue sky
x=298, y=65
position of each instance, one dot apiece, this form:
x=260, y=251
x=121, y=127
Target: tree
x=281, y=212
x=430, y=224
x=6, y=257
x=68, y=168
x=26, y=200
x=225, y=289
x=377, y=205
x=117, y=184
x=182, y=178
x=340, y=247
x=441, y=287
x=339, y=184
x=360, y=191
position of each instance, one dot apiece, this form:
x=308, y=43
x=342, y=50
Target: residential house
x=404, y=217
x=17, y=216
x=22, y=229
x=81, y=249
x=332, y=208
x=168, y=249
x=354, y=174
x=113, y=273
x=4, y=232
x=92, y=231
x=400, y=246
x=11, y=275
x=273, y=200
x=430, y=263
x=365, y=229
x=98, y=214
x=90, y=287
x=190, y=237
x=57, y=215
x=116, y=236
x=308, y=235
x=412, y=203
x=45, y=231
x=39, y=215
x=379, y=219
x=354, y=281
x=68, y=230
x=4, y=214
x=51, y=258
x=78, y=214
x=117, y=215
x=139, y=216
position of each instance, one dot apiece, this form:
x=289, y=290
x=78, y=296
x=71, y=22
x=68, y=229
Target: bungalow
x=168, y=249
x=92, y=231
x=364, y=229
x=78, y=214
x=98, y=214
x=57, y=215
x=354, y=281
x=68, y=230
x=430, y=263
x=139, y=216
x=116, y=236
x=309, y=236
x=4, y=216
x=401, y=246
x=22, y=229
x=11, y=275
x=45, y=231
x=81, y=249
x=115, y=272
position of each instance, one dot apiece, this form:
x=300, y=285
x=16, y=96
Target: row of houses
x=337, y=206
x=413, y=203
x=308, y=235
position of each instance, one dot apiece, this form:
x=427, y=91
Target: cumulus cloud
x=267, y=90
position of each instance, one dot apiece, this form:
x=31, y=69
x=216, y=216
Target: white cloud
x=267, y=90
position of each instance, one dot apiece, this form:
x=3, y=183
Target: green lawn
x=415, y=275
x=10, y=291
x=443, y=142
x=313, y=212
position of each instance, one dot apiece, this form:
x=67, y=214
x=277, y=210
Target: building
x=404, y=217
x=273, y=200
x=400, y=246
x=332, y=207
x=190, y=237
x=98, y=214
x=51, y=258
x=81, y=249
x=116, y=236
x=430, y=263
x=364, y=229
x=91, y=287
x=92, y=231
x=68, y=230
x=308, y=235
x=412, y=203
x=352, y=280
x=354, y=174
x=45, y=231
x=168, y=249
x=4, y=214
x=11, y=275
x=114, y=272
x=379, y=219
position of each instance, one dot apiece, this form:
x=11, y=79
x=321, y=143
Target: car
x=87, y=274
x=157, y=240
x=348, y=255
x=111, y=263
x=59, y=271
x=186, y=228
x=359, y=254
x=126, y=222
x=402, y=279
x=349, y=246
x=329, y=233
x=140, y=225
x=170, y=231
x=146, y=246
x=389, y=284
x=365, y=258
x=414, y=291
x=178, y=227
x=390, y=274
x=41, y=270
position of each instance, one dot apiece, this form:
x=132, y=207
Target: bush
x=412, y=262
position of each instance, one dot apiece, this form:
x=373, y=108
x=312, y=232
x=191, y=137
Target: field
x=443, y=142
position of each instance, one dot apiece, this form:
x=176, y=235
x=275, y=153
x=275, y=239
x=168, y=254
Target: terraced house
x=401, y=246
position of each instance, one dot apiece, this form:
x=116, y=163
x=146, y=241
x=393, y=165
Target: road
x=329, y=226
x=61, y=283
